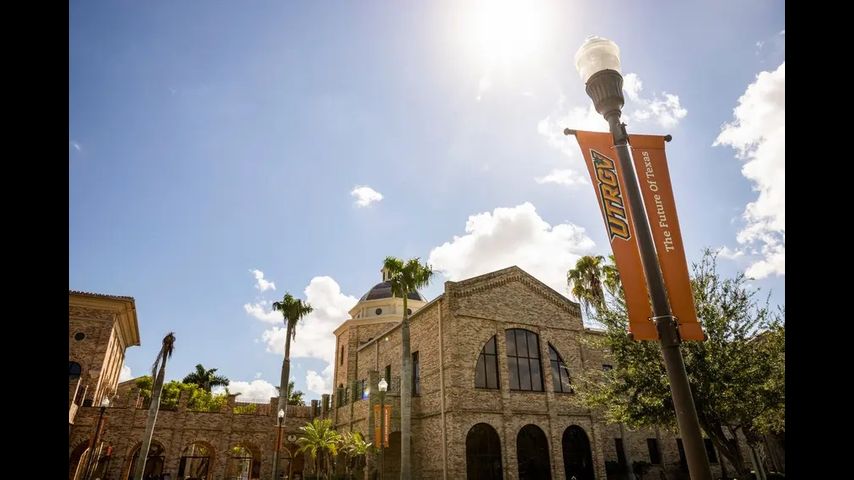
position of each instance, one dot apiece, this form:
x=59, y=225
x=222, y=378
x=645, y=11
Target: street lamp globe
x=597, y=54
x=598, y=63
x=382, y=385
x=105, y=402
x=281, y=413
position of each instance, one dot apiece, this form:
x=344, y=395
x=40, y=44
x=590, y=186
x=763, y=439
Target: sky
x=224, y=153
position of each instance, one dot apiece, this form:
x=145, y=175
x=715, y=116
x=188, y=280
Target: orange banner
x=603, y=166
x=387, y=424
x=654, y=179
x=377, y=431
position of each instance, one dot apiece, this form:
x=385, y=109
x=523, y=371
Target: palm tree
x=612, y=277
x=406, y=278
x=586, y=282
x=158, y=372
x=292, y=311
x=354, y=448
x=320, y=441
x=206, y=379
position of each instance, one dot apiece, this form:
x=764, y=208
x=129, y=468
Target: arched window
x=195, y=462
x=74, y=370
x=523, y=360
x=483, y=453
x=154, y=464
x=486, y=371
x=577, y=457
x=560, y=374
x=532, y=453
x=242, y=464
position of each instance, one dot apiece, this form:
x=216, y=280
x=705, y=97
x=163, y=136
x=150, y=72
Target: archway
x=154, y=463
x=243, y=463
x=532, y=453
x=80, y=458
x=577, y=457
x=483, y=453
x=196, y=462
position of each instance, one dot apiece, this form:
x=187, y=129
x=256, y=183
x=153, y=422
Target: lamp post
x=382, y=386
x=279, y=418
x=87, y=473
x=598, y=63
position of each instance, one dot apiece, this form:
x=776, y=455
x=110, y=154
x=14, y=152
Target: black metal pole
x=382, y=433
x=668, y=331
x=87, y=472
x=278, y=446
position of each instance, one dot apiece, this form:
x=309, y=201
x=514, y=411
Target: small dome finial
x=386, y=273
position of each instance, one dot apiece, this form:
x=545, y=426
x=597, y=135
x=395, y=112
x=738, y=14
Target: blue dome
x=383, y=290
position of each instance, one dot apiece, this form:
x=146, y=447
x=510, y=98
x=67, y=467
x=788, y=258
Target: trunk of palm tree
x=405, y=397
x=283, y=387
x=153, y=408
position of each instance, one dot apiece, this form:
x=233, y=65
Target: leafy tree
x=355, y=450
x=736, y=375
x=406, y=278
x=321, y=442
x=206, y=378
x=295, y=397
x=158, y=372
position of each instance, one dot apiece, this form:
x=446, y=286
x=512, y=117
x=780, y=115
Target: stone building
x=494, y=360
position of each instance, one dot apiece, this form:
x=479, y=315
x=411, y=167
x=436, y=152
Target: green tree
x=736, y=375
x=585, y=281
x=319, y=440
x=295, y=397
x=158, y=372
x=293, y=310
x=355, y=449
x=206, y=378
x=406, y=278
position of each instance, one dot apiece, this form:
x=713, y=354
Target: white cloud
x=758, y=134
x=314, y=338
x=365, y=195
x=257, y=391
x=568, y=177
x=632, y=85
x=257, y=374
x=75, y=145
x=263, y=312
x=125, y=374
x=663, y=109
x=319, y=383
x=262, y=284
x=730, y=254
x=513, y=236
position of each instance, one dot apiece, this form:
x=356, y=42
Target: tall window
x=341, y=358
x=621, y=452
x=416, y=375
x=73, y=371
x=523, y=360
x=388, y=373
x=710, y=450
x=486, y=371
x=560, y=374
x=654, y=452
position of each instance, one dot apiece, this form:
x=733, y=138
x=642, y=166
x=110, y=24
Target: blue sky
x=208, y=140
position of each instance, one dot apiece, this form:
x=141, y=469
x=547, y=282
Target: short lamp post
x=382, y=386
x=105, y=402
x=279, y=419
x=598, y=63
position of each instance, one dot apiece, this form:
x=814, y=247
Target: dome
x=383, y=290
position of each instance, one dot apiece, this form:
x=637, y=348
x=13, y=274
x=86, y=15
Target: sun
x=506, y=33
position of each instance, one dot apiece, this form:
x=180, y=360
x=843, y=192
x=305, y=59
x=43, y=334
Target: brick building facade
x=495, y=358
